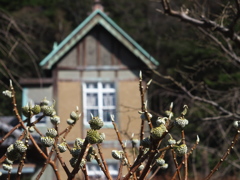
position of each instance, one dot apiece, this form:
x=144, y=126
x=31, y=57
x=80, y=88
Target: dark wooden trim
x=97, y=68
x=36, y=81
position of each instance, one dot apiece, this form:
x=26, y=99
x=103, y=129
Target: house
x=96, y=67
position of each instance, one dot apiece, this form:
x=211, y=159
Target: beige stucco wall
x=69, y=96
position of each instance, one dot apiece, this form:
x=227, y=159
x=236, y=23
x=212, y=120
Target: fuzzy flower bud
x=71, y=121
x=75, y=152
x=117, y=154
x=20, y=146
x=36, y=109
x=12, y=153
x=165, y=166
x=44, y=102
x=62, y=147
x=74, y=116
x=78, y=142
x=48, y=111
x=161, y=121
x=93, y=136
x=7, y=93
x=157, y=132
x=181, y=122
x=181, y=150
x=236, y=124
x=47, y=141
x=7, y=167
x=160, y=161
x=55, y=120
x=26, y=111
x=96, y=123
x=51, y=132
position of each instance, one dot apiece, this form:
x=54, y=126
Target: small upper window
x=99, y=99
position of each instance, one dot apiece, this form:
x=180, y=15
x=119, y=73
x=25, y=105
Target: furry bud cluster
x=157, y=132
x=96, y=123
x=181, y=149
x=47, y=141
x=181, y=122
x=51, y=132
x=20, y=146
x=95, y=137
x=74, y=116
x=73, y=162
x=62, y=147
x=7, y=93
x=160, y=161
x=12, y=153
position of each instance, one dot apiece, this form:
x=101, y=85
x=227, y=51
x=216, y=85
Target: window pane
x=108, y=99
x=94, y=112
x=108, y=85
x=92, y=99
x=91, y=85
x=107, y=113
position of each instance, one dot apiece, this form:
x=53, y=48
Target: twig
x=21, y=163
x=80, y=157
x=9, y=133
x=104, y=162
x=121, y=143
x=84, y=169
x=120, y=172
x=235, y=139
x=176, y=164
x=185, y=158
x=99, y=163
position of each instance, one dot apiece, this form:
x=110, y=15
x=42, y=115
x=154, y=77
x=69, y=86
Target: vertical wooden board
x=70, y=59
x=69, y=96
x=129, y=105
x=91, y=54
x=105, y=47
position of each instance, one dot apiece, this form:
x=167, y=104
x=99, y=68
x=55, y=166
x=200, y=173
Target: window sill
x=107, y=125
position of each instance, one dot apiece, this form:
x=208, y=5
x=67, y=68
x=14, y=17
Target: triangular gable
x=97, y=17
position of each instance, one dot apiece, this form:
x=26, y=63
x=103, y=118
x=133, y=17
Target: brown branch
x=176, y=164
x=185, y=158
x=84, y=170
x=197, y=98
x=203, y=22
x=230, y=53
x=104, y=162
x=121, y=143
x=234, y=141
x=80, y=157
x=9, y=133
x=21, y=163
x=99, y=163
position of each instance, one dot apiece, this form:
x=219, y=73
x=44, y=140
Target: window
x=94, y=171
x=99, y=99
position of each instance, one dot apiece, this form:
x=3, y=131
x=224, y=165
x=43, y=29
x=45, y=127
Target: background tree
x=206, y=74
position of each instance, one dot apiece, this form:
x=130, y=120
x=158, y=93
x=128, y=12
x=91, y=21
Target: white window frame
x=98, y=173
x=99, y=91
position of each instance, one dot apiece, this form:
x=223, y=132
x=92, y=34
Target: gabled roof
x=97, y=17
